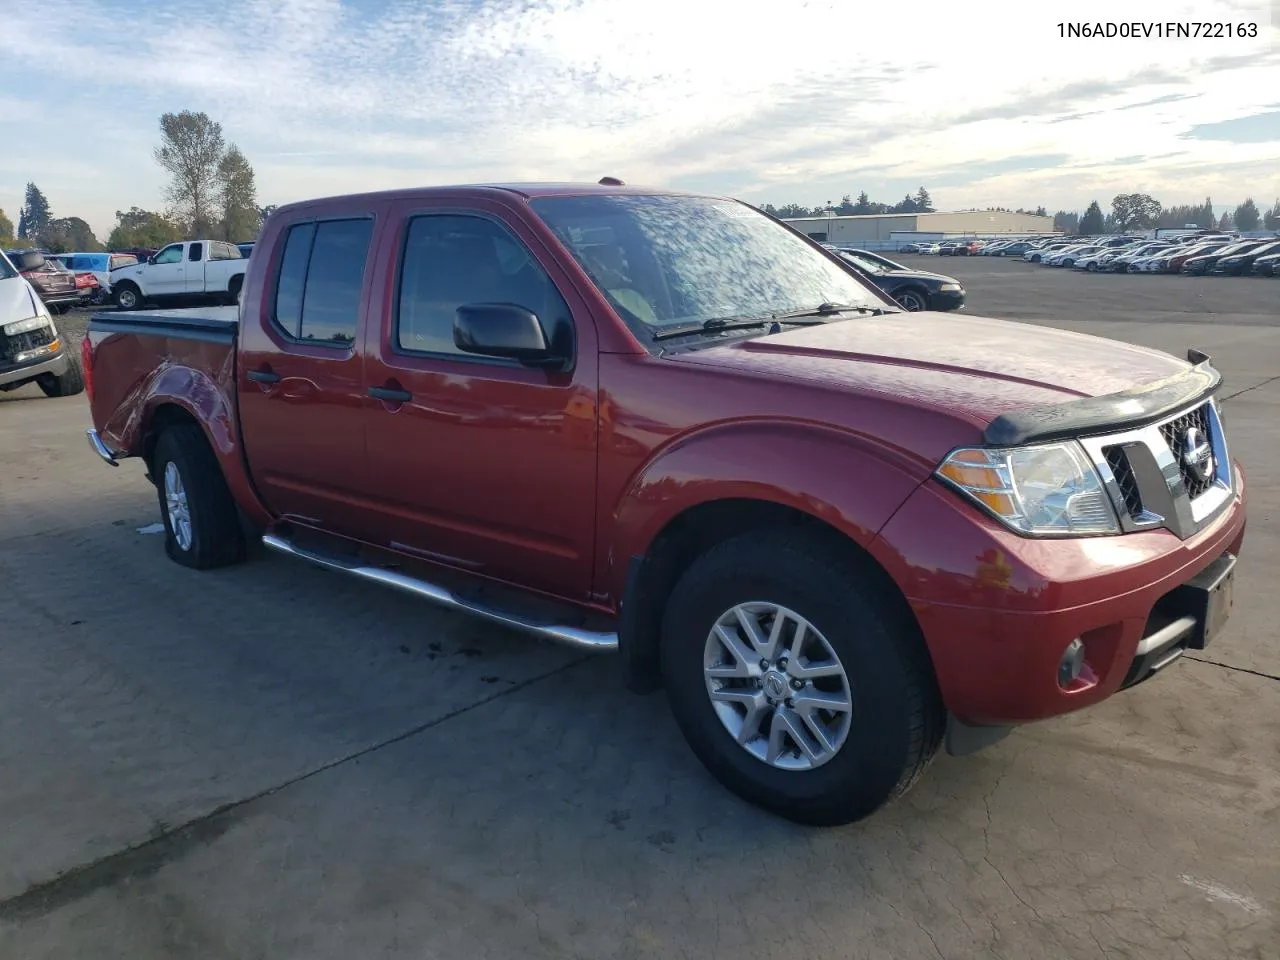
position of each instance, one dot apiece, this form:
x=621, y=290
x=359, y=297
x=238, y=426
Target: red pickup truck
x=667, y=425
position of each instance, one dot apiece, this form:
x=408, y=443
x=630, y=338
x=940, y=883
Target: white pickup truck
x=193, y=268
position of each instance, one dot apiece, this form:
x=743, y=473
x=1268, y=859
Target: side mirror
x=505, y=330
x=29, y=260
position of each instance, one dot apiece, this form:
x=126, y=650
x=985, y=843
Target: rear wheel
x=233, y=289
x=202, y=526
x=794, y=682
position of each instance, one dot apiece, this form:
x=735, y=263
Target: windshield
x=858, y=261
x=6, y=269
x=668, y=261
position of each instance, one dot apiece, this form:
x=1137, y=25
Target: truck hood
x=968, y=368
x=17, y=302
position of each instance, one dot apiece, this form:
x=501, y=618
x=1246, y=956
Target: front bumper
x=14, y=374
x=946, y=300
x=997, y=610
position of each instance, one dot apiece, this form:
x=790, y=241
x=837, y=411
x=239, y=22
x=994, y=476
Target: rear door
x=477, y=462
x=300, y=369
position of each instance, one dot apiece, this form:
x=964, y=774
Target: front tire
x=127, y=297
x=912, y=300
x=795, y=683
x=66, y=384
x=201, y=525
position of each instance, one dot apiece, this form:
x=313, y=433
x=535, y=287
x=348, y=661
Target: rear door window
x=320, y=281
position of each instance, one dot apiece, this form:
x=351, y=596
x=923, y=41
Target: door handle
x=263, y=376
x=390, y=395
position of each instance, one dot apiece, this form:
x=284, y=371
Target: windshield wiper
x=829, y=309
x=792, y=317
x=716, y=324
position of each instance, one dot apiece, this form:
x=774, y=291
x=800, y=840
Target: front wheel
x=66, y=384
x=201, y=524
x=912, y=300
x=127, y=297
x=795, y=683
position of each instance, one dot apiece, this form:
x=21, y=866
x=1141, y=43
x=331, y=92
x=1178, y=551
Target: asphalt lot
x=272, y=762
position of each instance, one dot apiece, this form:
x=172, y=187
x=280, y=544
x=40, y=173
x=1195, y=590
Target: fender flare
x=852, y=482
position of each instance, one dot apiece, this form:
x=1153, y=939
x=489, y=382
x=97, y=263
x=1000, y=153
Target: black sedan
x=1240, y=263
x=1198, y=266
x=913, y=289
x=1266, y=266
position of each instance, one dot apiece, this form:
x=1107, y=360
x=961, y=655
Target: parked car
x=1236, y=264
x=1203, y=263
x=839, y=534
x=1067, y=256
x=1267, y=266
x=99, y=265
x=1177, y=257
x=245, y=249
x=929, y=249
x=193, y=268
x=914, y=290
x=31, y=349
x=1037, y=254
x=53, y=283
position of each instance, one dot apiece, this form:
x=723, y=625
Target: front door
x=301, y=386
x=167, y=274
x=480, y=463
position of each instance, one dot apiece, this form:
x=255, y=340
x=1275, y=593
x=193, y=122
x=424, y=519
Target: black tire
x=1036, y=258
x=898, y=716
x=127, y=296
x=216, y=536
x=912, y=299
x=66, y=384
x=233, y=289
x=1091, y=266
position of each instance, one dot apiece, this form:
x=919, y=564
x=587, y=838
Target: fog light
x=1071, y=664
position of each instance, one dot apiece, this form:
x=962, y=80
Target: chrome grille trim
x=1149, y=485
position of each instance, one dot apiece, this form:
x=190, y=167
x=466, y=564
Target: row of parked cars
x=64, y=281
x=1217, y=254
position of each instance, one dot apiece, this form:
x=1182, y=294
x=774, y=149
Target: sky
x=984, y=103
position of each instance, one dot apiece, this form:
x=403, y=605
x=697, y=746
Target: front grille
x=1118, y=461
x=1173, y=432
x=10, y=347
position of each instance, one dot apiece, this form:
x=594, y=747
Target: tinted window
x=452, y=260
x=194, y=252
x=321, y=275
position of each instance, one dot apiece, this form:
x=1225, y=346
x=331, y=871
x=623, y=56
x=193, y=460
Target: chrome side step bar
x=101, y=449
x=572, y=636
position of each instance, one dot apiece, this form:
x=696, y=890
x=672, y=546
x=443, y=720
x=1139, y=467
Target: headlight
x=25, y=326
x=950, y=287
x=1049, y=490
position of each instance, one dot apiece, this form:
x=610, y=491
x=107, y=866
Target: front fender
x=851, y=481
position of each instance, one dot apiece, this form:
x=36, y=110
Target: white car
x=928, y=249
x=98, y=264
x=31, y=349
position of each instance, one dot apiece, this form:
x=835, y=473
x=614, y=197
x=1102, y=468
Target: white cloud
x=772, y=103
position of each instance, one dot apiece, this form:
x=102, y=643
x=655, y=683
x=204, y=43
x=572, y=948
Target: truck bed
x=199, y=323
x=140, y=358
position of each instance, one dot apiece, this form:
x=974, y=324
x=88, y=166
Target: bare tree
x=191, y=150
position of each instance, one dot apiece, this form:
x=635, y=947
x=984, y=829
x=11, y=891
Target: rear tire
x=895, y=713
x=234, y=288
x=201, y=525
x=66, y=384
